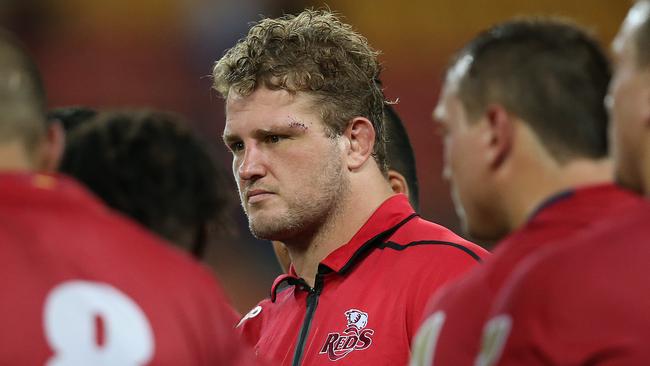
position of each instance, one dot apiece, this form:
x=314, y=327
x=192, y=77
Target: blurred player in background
x=525, y=138
x=71, y=117
x=402, y=174
x=148, y=165
x=304, y=123
x=60, y=122
x=586, y=302
x=82, y=285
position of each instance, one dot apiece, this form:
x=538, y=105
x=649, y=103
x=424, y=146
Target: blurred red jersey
x=368, y=297
x=585, y=303
x=451, y=334
x=83, y=286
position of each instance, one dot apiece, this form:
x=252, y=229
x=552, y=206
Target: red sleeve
x=517, y=332
x=548, y=313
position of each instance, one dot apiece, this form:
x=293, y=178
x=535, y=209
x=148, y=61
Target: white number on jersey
x=424, y=344
x=495, y=335
x=93, y=323
x=251, y=314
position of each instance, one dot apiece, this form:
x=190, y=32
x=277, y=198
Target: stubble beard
x=304, y=217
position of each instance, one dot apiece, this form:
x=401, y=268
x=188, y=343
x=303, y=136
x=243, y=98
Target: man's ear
x=53, y=147
x=398, y=182
x=499, y=135
x=361, y=136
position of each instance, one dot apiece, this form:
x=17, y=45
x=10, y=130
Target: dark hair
x=312, y=52
x=149, y=166
x=548, y=72
x=22, y=95
x=642, y=43
x=71, y=117
x=399, y=153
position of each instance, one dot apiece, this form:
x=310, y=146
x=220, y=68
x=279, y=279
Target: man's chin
x=268, y=230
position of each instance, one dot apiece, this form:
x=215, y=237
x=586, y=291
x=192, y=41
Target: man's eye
x=236, y=146
x=273, y=138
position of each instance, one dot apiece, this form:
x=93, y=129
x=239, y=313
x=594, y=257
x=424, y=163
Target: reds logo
x=354, y=338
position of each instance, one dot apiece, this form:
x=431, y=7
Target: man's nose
x=252, y=166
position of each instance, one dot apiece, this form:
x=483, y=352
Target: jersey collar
x=389, y=217
x=392, y=214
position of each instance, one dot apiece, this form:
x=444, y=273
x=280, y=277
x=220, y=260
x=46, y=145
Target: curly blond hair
x=312, y=52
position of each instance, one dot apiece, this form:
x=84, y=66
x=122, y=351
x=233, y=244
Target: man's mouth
x=257, y=195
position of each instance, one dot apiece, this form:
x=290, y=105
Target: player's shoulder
x=562, y=270
x=281, y=301
x=584, y=268
x=70, y=212
x=253, y=313
x=630, y=226
x=420, y=237
x=133, y=234
x=251, y=324
x=162, y=260
x=605, y=241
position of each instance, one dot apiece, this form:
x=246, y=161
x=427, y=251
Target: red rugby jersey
x=451, y=334
x=84, y=286
x=368, y=296
x=585, y=303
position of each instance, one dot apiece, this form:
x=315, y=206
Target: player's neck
x=13, y=157
x=359, y=203
x=532, y=190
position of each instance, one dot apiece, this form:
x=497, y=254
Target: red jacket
x=368, y=296
x=452, y=333
x=585, y=303
x=81, y=285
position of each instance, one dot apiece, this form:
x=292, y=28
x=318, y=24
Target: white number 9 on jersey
x=93, y=323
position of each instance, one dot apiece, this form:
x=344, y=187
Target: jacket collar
x=392, y=214
x=389, y=217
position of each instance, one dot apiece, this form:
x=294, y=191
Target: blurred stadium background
x=159, y=53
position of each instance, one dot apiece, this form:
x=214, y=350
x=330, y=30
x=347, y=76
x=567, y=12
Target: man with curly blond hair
x=304, y=125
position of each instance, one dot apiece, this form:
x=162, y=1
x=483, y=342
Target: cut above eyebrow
x=296, y=123
x=291, y=126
